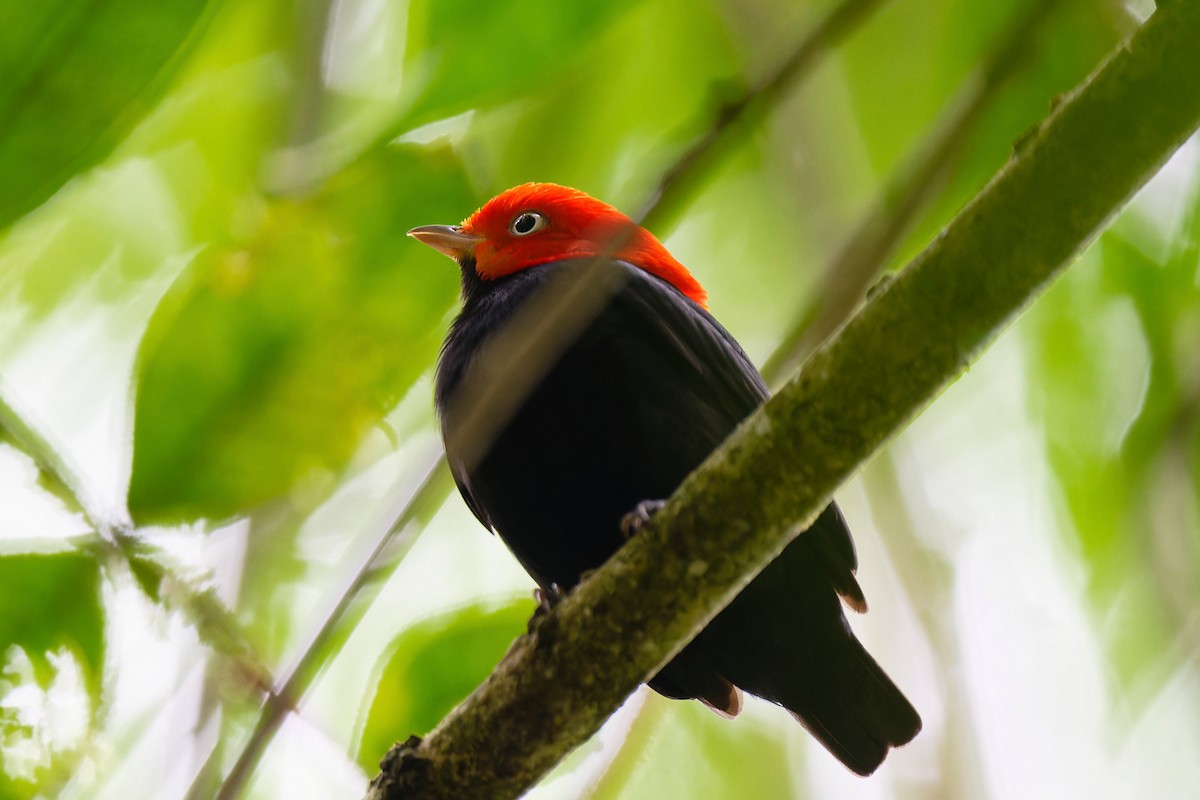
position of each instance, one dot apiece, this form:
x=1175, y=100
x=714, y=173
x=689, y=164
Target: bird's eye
x=527, y=222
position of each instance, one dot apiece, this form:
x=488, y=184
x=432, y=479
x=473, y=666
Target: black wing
x=735, y=388
x=678, y=379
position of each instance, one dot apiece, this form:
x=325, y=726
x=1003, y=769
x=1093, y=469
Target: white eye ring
x=527, y=222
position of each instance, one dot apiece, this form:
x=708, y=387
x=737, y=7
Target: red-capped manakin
x=621, y=414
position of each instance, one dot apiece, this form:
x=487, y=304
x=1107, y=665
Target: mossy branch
x=1065, y=181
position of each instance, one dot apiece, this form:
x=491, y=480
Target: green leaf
x=460, y=62
x=77, y=76
x=430, y=668
x=593, y=123
x=50, y=606
x=687, y=751
x=51, y=602
x=898, y=90
x=1111, y=381
x=266, y=363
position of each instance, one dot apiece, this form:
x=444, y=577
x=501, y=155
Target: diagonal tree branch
x=1067, y=178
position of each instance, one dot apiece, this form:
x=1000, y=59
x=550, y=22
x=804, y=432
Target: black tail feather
x=785, y=638
x=853, y=708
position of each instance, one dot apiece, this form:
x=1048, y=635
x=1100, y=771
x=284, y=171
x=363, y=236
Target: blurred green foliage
x=50, y=611
x=206, y=207
x=430, y=668
x=690, y=752
x=463, y=55
x=271, y=357
x=1116, y=378
x=51, y=602
x=77, y=77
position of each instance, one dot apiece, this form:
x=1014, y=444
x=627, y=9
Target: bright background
x=215, y=336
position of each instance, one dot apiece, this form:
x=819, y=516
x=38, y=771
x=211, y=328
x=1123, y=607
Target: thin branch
x=911, y=190
x=60, y=478
x=353, y=600
x=737, y=117
x=1067, y=178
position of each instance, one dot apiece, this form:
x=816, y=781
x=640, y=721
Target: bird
x=581, y=450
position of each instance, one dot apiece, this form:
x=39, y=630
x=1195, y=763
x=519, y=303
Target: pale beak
x=450, y=240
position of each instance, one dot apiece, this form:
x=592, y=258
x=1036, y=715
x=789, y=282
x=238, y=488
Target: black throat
x=472, y=285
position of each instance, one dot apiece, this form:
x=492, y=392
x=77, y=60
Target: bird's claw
x=633, y=522
x=547, y=598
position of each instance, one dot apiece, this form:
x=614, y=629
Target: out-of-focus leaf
x=1089, y=357
x=467, y=54
x=898, y=90
x=50, y=606
x=265, y=364
x=1114, y=387
x=81, y=275
x=170, y=186
x=692, y=753
x=77, y=76
x=595, y=124
x=49, y=602
x=430, y=668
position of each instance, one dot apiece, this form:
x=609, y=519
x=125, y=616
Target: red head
x=536, y=223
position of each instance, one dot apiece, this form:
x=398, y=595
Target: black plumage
x=635, y=402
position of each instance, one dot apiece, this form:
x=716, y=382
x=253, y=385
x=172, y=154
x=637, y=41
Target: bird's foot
x=401, y=762
x=633, y=522
x=547, y=598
